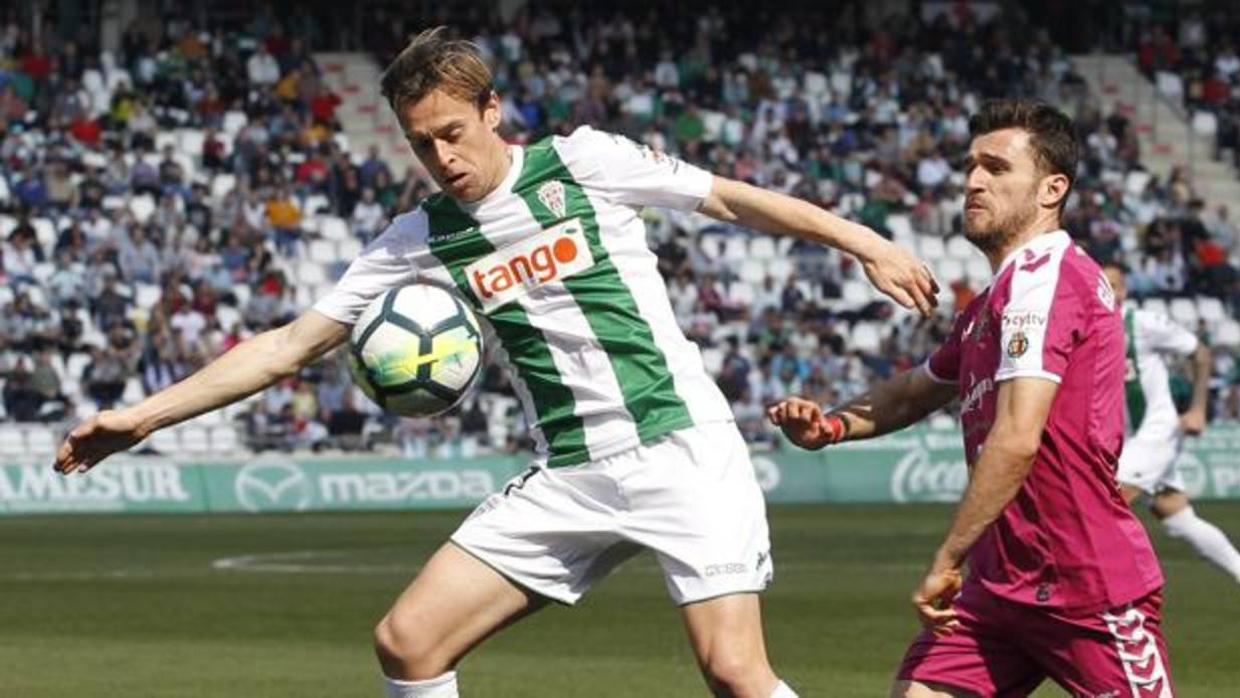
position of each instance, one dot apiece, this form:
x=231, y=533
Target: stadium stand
x=160, y=203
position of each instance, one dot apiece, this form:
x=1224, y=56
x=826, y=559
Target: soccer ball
x=416, y=350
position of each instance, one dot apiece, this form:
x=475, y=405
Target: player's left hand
x=897, y=273
x=802, y=422
x=933, y=599
x=1193, y=422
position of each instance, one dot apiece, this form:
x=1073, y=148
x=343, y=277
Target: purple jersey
x=1067, y=541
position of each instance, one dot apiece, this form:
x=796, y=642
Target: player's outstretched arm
x=249, y=367
x=891, y=268
x=889, y=406
x=1194, y=420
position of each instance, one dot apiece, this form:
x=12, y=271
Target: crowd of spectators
x=131, y=259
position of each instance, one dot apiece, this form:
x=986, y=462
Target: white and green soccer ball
x=416, y=351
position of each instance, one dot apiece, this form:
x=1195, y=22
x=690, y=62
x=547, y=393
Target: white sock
x=1206, y=539
x=782, y=691
x=442, y=686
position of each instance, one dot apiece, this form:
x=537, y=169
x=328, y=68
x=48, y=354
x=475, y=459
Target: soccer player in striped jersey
x=636, y=447
x=1156, y=431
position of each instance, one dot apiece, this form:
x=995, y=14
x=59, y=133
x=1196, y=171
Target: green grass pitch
x=129, y=606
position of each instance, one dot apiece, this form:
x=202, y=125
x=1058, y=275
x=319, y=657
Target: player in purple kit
x=1062, y=582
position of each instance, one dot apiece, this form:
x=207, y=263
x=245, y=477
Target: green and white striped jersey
x=556, y=259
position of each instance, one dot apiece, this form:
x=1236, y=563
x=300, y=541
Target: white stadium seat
x=1228, y=334
x=40, y=440
x=931, y=247
x=712, y=359
x=234, y=121
x=978, y=271
x=310, y=273
x=1211, y=310
x=142, y=207
x=762, y=247
x=736, y=249
x=960, y=248
x=194, y=439
x=146, y=295
x=165, y=441
x=741, y=292
x=224, y=439
x=133, y=392
x=243, y=293
x=949, y=270
x=1184, y=311
x=76, y=364
x=12, y=443
x=1205, y=123
x=321, y=251
x=190, y=140
x=348, y=249
x=780, y=269
x=221, y=185
x=1155, y=305
x=227, y=316
x=44, y=231
x=712, y=246
x=865, y=337
x=752, y=271
x=334, y=228
x=855, y=293
x=316, y=203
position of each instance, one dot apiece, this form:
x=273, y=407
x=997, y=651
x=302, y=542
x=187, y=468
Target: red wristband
x=836, y=428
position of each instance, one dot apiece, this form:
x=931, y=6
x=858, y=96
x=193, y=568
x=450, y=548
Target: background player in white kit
x=1156, y=430
x=637, y=447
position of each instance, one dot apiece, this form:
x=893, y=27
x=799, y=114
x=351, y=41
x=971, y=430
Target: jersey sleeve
x=386, y=263
x=1159, y=333
x=943, y=366
x=635, y=174
x=1040, y=323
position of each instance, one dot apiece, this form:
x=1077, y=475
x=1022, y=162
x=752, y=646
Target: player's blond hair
x=433, y=61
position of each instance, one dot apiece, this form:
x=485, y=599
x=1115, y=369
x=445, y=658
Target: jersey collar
x=1036, y=245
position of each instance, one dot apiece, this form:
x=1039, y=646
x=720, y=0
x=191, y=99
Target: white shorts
x=1149, y=465
x=691, y=497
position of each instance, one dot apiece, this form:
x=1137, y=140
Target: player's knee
x=734, y=673
x=404, y=649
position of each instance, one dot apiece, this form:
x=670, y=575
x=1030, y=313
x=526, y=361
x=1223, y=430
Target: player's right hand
x=95, y=439
x=898, y=273
x=801, y=421
x=1193, y=422
x=933, y=600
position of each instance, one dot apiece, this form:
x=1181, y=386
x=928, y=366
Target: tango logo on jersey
x=552, y=255
x=551, y=194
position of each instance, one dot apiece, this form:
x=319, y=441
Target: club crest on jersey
x=551, y=194
x=552, y=255
x=1017, y=345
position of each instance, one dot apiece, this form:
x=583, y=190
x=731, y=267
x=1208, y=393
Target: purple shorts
x=1006, y=649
